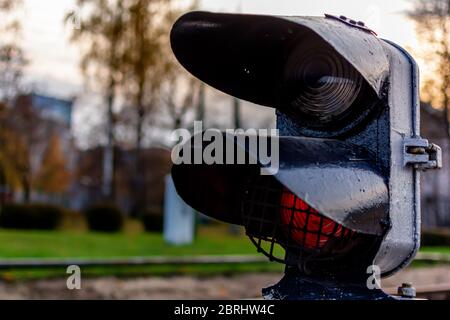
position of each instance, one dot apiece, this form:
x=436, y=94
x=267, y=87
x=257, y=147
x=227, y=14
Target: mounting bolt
x=360, y=23
x=417, y=150
x=407, y=290
x=343, y=17
x=352, y=21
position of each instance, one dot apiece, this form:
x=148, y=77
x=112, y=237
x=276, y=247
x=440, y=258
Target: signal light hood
x=244, y=55
x=334, y=177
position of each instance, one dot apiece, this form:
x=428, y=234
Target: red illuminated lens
x=305, y=225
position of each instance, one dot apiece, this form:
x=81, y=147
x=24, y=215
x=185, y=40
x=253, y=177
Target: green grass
x=60, y=244
x=140, y=271
x=65, y=244
x=445, y=250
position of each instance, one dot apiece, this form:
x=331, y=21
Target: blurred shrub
x=105, y=218
x=31, y=216
x=152, y=219
x=438, y=237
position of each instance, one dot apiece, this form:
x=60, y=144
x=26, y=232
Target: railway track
x=432, y=292
x=31, y=263
x=162, y=260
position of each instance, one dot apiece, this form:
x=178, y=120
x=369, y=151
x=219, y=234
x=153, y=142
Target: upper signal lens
x=319, y=83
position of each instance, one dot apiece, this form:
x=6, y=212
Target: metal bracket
x=421, y=154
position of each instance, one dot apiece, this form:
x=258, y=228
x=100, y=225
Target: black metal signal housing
x=346, y=194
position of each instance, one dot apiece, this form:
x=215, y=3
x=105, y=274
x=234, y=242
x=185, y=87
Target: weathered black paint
x=247, y=56
x=244, y=55
x=300, y=287
x=338, y=179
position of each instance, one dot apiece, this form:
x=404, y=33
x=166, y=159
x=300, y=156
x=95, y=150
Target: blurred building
x=435, y=184
x=157, y=164
x=55, y=109
x=46, y=116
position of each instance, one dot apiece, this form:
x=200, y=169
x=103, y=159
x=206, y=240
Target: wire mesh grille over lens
x=304, y=225
x=320, y=83
x=278, y=222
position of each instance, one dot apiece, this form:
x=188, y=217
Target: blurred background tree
x=12, y=59
x=25, y=134
x=432, y=19
x=100, y=34
x=183, y=94
x=146, y=60
x=148, y=63
x=14, y=151
x=53, y=176
x=126, y=52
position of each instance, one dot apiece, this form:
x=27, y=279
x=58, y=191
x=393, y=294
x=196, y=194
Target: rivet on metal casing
x=360, y=25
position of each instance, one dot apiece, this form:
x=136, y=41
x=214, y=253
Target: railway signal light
x=346, y=194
